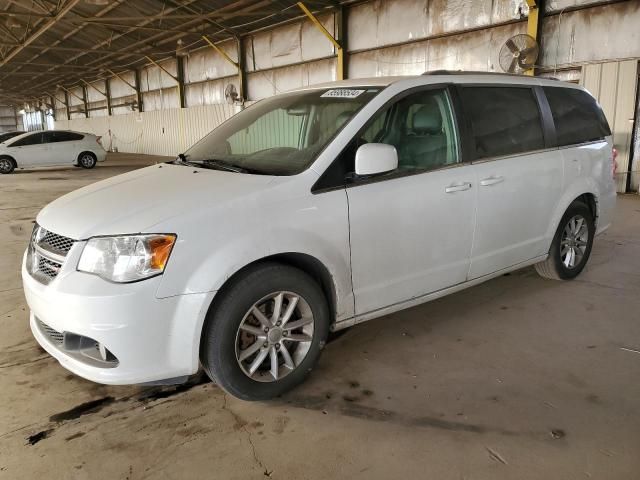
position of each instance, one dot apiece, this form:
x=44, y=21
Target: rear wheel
x=571, y=244
x=87, y=160
x=7, y=165
x=265, y=333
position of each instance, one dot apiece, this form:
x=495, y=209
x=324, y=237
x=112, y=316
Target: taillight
x=614, y=164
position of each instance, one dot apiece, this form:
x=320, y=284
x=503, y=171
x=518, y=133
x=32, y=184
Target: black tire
x=554, y=267
x=218, y=352
x=7, y=165
x=87, y=160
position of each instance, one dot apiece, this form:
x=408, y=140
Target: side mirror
x=375, y=158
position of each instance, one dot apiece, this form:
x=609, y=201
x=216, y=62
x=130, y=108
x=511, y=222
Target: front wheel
x=6, y=165
x=571, y=244
x=265, y=333
x=87, y=160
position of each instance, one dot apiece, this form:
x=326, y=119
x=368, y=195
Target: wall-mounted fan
x=231, y=94
x=519, y=54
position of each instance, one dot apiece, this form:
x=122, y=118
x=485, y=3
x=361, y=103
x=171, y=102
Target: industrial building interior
x=518, y=377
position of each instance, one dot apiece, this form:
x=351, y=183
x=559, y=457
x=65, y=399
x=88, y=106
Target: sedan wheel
x=6, y=165
x=87, y=160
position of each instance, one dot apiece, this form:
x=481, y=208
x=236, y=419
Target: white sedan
x=49, y=148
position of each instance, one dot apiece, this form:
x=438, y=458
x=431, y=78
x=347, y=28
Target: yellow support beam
x=122, y=79
x=220, y=51
x=95, y=88
x=162, y=68
x=532, y=26
x=71, y=93
x=319, y=26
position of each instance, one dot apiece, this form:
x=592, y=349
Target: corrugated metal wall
x=159, y=132
x=8, y=119
x=615, y=84
x=385, y=37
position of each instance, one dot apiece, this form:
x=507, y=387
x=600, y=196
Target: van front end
x=108, y=332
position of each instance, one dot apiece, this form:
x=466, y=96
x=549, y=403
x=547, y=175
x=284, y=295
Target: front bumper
x=152, y=338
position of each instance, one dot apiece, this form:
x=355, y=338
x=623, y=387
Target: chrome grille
x=47, y=267
x=54, y=242
x=47, y=251
x=53, y=335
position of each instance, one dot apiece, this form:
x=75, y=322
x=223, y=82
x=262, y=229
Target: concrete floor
x=516, y=378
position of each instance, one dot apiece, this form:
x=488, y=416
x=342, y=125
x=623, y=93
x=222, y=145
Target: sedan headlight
x=126, y=258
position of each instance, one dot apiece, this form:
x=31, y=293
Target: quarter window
x=66, y=137
x=577, y=116
x=504, y=120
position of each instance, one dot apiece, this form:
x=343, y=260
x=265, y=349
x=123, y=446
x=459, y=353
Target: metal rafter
x=39, y=31
x=120, y=35
x=179, y=19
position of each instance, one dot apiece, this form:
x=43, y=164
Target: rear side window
x=66, y=136
x=504, y=120
x=33, y=139
x=577, y=116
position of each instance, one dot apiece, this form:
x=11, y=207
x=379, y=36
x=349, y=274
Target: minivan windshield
x=281, y=135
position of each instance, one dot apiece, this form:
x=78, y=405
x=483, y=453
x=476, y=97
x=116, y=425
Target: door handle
x=457, y=188
x=485, y=182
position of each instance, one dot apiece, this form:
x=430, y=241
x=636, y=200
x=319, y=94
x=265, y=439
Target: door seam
x=353, y=293
x=475, y=223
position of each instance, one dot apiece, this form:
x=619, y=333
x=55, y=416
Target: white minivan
x=312, y=211
x=50, y=148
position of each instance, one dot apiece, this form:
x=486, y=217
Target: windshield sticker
x=342, y=93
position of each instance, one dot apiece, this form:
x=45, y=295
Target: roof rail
x=470, y=72
x=442, y=72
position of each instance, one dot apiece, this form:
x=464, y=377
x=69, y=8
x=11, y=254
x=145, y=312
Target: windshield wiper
x=228, y=166
x=215, y=163
x=182, y=160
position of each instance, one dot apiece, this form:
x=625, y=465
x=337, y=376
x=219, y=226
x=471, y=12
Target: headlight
x=126, y=258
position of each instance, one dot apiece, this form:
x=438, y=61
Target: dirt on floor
x=518, y=378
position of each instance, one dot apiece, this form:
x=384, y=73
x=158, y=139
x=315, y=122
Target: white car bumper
x=152, y=339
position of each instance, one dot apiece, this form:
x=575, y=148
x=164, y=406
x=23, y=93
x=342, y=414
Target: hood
x=138, y=200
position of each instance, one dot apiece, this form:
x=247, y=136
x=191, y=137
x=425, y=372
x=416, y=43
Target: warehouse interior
x=514, y=378
x=154, y=81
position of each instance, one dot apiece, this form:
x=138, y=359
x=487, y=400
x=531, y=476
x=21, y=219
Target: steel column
x=336, y=44
x=138, y=91
x=533, y=26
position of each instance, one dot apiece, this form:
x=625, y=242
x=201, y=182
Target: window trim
x=469, y=132
x=582, y=144
x=448, y=88
x=514, y=155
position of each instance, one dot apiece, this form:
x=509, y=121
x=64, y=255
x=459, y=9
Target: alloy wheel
x=86, y=161
x=274, y=336
x=574, y=241
x=5, y=165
